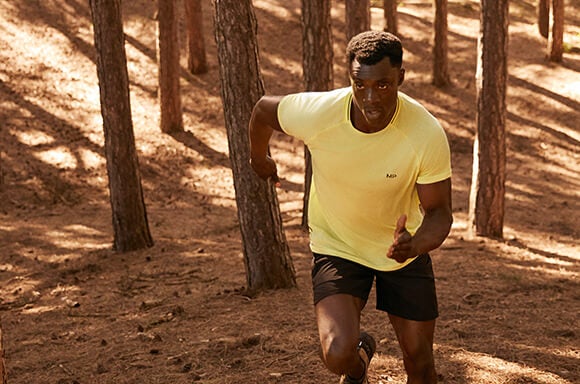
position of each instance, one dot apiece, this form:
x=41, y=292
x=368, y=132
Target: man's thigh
x=339, y=316
x=413, y=336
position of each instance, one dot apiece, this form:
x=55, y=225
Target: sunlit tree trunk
x=544, y=17
x=317, y=58
x=556, y=41
x=440, y=49
x=196, y=59
x=129, y=215
x=266, y=252
x=487, y=197
x=171, y=119
x=391, y=16
x=358, y=17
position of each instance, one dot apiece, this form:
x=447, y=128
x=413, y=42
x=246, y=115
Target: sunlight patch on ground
x=83, y=229
x=95, y=134
x=531, y=254
x=18, y=286
x=522, y=192
x=223, y=202
x=562, y=166
x=387, y=367
x=484, y=368
x=276, y=9
x=293, y=67
x=7, y=267
x=59, y=157
x=32, y=137
x=572, y=89
x=47, y=43
x=91, y=159
x=556, y=273
x=550, y=246
x=74, y=236
x=39, y=309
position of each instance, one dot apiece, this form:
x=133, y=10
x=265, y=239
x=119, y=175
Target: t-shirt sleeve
x=435, y=164
x=299, y=114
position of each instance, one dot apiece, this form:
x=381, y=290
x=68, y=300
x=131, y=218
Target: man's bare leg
x=338, y=318
x=416, y=342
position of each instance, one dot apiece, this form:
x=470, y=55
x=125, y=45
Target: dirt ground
x=73, y=311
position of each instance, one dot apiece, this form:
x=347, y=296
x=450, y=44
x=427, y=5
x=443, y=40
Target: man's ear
x=401, y=76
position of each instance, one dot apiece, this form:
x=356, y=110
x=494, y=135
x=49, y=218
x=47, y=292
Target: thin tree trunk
x=391, y=16
x=129, y=214
x=171, y=120
x=196, y=60
x=3, y=373
x=557, y=36
x=440, y=61
x=487, y=197
x=1, y=171
x=317, y=60
x=358, y=17
x=266, y=252
x=544, y=18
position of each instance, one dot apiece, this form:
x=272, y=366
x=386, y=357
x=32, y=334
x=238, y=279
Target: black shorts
x=408, y=292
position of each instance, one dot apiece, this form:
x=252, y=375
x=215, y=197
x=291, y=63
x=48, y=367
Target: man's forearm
x=433, y=231
x=260, y=133
x=259, y=140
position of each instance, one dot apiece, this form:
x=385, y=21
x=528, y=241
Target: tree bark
x=266, y=252
x=358, y=17
x=557, y=37
x=391, y=16
x=544, y=18
x=3, y=373
x=129, y=214
x=171, y=120
x=317, y=60
x=196, y=59
x=486, y=206
x=440, y=46
x=1, y=171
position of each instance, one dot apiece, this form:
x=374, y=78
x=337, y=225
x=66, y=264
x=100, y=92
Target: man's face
x=375, y=93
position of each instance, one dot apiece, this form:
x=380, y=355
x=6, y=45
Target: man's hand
x=402, y=248
x=266, y=169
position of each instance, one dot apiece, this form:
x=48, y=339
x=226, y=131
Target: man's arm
x=263, y=122
x=436, y=203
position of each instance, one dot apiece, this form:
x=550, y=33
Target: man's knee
x=340, y=353
x=419, y=361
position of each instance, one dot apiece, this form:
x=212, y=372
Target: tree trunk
x=391, y=16
x=171, y=120
x=1, y=172
x=317, y=60
x=126, y=196
x=544, y=17
x=3, y=374
x=266, y=253
x=440, y=62
x=557, y=37
x=358, y=17
x=487, y=197
x=196, y=59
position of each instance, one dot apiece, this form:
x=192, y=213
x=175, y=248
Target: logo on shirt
x=391, y=175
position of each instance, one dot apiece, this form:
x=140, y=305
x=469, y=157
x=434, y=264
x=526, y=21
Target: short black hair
x=370, y=47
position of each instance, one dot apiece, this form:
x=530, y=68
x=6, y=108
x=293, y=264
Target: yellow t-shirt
x=363, y=182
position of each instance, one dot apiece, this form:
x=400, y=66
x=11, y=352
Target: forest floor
x=74, y=311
